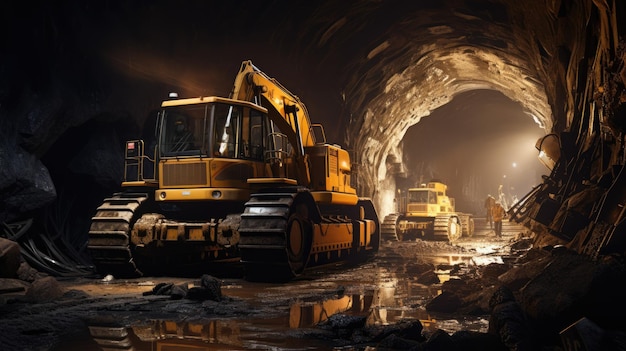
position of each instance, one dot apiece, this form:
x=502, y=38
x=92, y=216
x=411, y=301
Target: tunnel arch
x=433, y=78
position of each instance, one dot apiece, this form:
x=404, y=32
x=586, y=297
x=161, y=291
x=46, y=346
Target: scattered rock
x=507, y=320
x=176, y=292
x=210, y=289
x=397, y=343
x=44, y=290
x=428, y=278
x=343, y=325
x=412, y=330
x=492, y=271
x=476, y=341
x=440, y=340
x=418, y=268
x=12, y=285
x=476, y=303
x=28, y=273
x=10, y=257
x=446, y=302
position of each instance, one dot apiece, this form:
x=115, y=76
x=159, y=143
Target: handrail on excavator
x=135, y=159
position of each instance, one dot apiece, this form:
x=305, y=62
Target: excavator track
x=388, y=228
x=109, y=234
x=447, y=228
x=264, y=237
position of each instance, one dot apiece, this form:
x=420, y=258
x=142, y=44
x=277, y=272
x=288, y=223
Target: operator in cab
x=183, y=137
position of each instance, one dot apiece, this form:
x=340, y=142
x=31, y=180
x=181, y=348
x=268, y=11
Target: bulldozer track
x=263, y=230
x=467, y=223
x=443, y=229
x=109, y=234
x=388, y=227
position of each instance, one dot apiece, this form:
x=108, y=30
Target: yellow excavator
x=247, y=179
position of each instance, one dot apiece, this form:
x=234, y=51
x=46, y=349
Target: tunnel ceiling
x=380, y=65
x=409, y=59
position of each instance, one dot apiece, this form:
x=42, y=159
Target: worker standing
x=489, y=203
x=498, y=214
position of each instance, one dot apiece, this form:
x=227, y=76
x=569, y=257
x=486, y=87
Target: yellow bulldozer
x=427, y=213
x=246, y=179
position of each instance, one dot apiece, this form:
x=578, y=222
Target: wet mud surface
x=303, y=314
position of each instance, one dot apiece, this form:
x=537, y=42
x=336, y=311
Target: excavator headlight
x=162, y=195
x=216, y=194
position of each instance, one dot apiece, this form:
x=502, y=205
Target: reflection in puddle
x=392, y=302
x=225, y=332
x=381, y=308
x=449, y=259
x=304, y=315
x=389, y=298
x=168, y=335
x=402, y=298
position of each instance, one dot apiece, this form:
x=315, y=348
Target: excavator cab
x=212, y=127
x=192, y=132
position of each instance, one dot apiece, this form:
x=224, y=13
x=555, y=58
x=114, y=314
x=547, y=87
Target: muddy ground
x=394, y=289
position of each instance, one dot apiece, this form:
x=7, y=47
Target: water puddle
x=293, y=316
x=391, y=302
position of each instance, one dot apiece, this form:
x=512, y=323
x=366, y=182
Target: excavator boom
x=285, y=109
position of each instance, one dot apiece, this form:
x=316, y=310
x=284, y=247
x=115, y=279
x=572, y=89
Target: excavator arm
x=285, y=109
